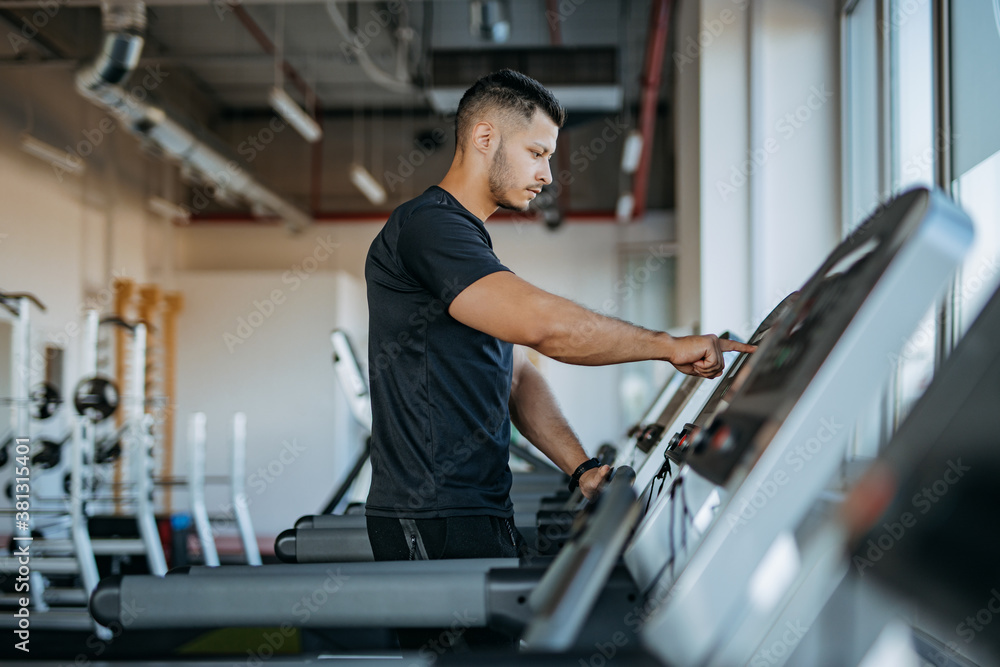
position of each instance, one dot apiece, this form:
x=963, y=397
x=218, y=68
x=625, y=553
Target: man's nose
x=545, y=176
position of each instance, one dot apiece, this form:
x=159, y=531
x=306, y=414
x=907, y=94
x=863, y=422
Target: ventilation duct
x=102, y=83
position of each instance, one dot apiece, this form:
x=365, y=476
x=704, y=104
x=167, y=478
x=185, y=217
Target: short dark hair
x=508, y=93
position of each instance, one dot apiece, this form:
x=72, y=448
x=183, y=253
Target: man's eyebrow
x=539, y=144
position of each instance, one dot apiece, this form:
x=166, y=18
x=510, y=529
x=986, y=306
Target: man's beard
x=501, y=181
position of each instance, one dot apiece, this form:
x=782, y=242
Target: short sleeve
x=445, y=252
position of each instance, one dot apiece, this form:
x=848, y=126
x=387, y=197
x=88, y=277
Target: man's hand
x=702, y=355
x=592, y=481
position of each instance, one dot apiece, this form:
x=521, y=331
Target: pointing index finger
x=730, y=345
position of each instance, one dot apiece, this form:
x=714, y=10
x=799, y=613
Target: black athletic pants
x=452, y=537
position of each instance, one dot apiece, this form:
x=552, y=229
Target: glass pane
x=863, y=174
x=975, y=81
x=913, y=146
x=912, y=94
x=978, y=191
x=862, y=159
x=647, y=293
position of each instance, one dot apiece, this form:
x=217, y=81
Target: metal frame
x=141, y=452
x=237, y=488
x=948, y=315
x=196, y=489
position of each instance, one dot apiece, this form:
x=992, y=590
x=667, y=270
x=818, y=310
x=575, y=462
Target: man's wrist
x=666, y=345
x=574, y=481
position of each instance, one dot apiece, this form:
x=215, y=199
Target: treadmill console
x=785, y=365
x=785, y=432
x=681, y=443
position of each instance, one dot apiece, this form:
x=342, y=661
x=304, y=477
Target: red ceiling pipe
x=268, y=46
x=554, y=17
x=656, y=46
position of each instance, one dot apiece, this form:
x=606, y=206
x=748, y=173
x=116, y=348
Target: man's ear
x=484, y=136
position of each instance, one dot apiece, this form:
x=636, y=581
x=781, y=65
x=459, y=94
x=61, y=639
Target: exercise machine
x=819, y=364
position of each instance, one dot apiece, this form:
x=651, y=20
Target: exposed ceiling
x=396, y=58
x=220, y=44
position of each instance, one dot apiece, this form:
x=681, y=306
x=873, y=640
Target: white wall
x=795, y=107
x=258, y=342
x=725, y=218
x=687, y=123
x=758, y=152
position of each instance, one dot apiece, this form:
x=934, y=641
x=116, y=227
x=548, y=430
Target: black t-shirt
x=439, y=389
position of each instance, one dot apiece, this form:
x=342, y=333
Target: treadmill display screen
x=777, y=375
x=734, y=380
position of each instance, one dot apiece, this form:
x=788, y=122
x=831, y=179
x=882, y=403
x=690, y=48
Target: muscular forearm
x=533, y=410
x=576, y=335
x=504, y=306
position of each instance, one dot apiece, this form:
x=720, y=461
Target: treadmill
x=902, y=257
x=784, y=436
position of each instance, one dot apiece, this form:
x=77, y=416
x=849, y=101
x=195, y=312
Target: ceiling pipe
x=553, y=16
x=395, y=83
x=652, y=71
x=102, y=82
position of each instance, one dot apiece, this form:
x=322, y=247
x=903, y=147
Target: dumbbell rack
x=77, y=555
x=20, y=383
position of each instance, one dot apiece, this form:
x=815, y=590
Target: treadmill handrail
x=566, y=594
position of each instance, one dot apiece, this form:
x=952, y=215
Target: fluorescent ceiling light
x=168, y=209
x=296, y=116
x=67, y=162
x=365, y=182
x=632, y=152
x=624, y=207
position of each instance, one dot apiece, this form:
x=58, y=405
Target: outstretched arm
x=534, y=412
x=514, y=310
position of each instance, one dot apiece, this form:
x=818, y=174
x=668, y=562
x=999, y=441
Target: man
x=445, y=314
